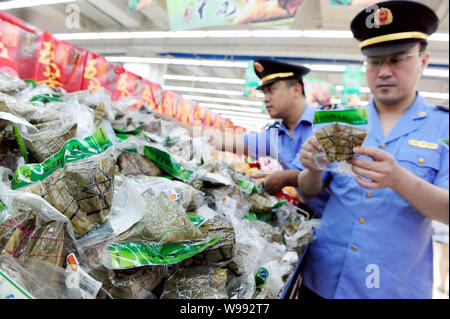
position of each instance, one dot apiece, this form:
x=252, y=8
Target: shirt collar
x=417, y=110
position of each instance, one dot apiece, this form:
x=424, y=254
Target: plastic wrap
x=17, y=282
x=164, y=222
x=11, y=84
x=338, y=132
x=136, y=283
x=134, y=164
x=196, y=283
x=223, y=250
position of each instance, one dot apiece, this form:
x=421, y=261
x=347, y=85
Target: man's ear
x=424, y=59
x=298, y=90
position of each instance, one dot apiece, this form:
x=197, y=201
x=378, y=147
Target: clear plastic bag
x=196, y=283
x=10, y=84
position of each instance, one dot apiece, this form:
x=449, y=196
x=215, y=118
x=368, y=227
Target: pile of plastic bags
x=97, y=201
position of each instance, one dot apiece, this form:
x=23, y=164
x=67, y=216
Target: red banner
x=33, y=54
x=60, y=64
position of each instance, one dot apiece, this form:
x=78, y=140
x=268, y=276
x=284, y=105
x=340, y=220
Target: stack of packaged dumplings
x=101, y=203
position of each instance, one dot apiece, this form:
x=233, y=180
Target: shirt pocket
x=424, y=163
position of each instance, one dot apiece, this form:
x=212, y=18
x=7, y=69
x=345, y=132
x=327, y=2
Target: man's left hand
x=273, y=183
x=382, y=171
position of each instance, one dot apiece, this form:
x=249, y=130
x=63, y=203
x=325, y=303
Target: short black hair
x=423, y=46
x=292, y=82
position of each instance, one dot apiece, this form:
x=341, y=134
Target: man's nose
x=385, y=70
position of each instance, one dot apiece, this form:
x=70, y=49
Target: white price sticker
x=78, y=278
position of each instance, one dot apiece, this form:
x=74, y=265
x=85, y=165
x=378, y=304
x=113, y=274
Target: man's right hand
x=309, y=155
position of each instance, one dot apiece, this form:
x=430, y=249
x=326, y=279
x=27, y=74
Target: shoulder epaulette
x=442, y=108
x=275, y=124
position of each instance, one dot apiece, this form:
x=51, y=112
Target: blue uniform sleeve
x=441, y=179
x=297, y=164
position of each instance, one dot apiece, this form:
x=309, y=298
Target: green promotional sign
x=352, y=80
x=251, y=81
x=191, y=14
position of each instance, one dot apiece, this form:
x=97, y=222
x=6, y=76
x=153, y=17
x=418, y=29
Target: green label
x=261, y=277
x=46, y=98
x=2, y=207
x=167, y=162
x=445, y=141
x=279, y=204
x=356, y=116
x=73, y=150
x=23, y=149
x=195, y=219
x=136, y=254
x=264, y=217
x=132, y=132
x=32, y=82
x=247, y=187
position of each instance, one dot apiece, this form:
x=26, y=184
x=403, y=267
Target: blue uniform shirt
x=277, y=142
x=372, y=243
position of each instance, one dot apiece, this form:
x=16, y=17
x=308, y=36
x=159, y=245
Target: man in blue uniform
x=284, y=97
x=375, y=240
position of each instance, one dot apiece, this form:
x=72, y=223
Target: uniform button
x=368, y=195
x=383, y=145
x=354, y=248
x=362, y=220
x=421, y=114
x=421, y=160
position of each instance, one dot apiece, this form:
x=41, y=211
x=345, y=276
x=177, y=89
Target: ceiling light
x=222, y=100
x=435, y=95
x=231, y=108
x=243, y=119
x=327, y=34
x=15, y=4
x=439, y=37
x=252, y=116
x=332, y=34
x=197, y=62
x=436, y=73
x=202, y=90
x=203, y=79
x=326, y=67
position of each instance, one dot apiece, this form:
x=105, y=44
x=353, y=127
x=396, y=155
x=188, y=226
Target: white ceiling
x=112, y=16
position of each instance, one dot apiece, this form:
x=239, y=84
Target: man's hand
x=383, y=171
x=308, y=155
x=273, y=183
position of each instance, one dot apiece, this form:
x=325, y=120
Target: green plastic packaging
x=23, y=149
x=137, y=254
x=356, y=116
x=261, y=277
x=73, y=150
x=167, y=162
x=195, y=219
x=46, y=98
